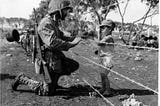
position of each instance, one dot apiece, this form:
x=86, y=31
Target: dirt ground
x=13, y=60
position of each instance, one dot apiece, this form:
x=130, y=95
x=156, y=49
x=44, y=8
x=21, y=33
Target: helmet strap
x=61, y=14
x=56, y=15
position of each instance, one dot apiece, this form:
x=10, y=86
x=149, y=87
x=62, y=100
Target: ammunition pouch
x=54, y=60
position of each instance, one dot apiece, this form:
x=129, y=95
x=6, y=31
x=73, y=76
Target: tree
x=41, y=10
x=2, y=22
x=99, y=10
x=122, y=19
x=153, y=9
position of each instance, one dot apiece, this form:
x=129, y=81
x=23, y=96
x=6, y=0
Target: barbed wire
x=121, y=53
x=130, y=46
x=136, y=47
x=131, y=80
x=105, y=99
x=98, y=92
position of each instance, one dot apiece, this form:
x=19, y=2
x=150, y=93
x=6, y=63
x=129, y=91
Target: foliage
x=12, y=20
x=41, y=11
x=97, y=10
x=152, y=3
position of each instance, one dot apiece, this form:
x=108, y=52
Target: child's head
x=142, y=36
x=107, y=27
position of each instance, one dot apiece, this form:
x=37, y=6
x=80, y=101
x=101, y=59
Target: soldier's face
x=106, y=30
x=66, y=12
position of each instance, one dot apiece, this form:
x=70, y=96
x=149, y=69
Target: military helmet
x=56, y=5
x=108, y=22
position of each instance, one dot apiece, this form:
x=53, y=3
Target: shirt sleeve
x=67, y=36
x=51, y=38
x=107, y=39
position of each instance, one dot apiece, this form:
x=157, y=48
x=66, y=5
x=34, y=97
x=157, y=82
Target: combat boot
x=16, y=82
x=21, y=79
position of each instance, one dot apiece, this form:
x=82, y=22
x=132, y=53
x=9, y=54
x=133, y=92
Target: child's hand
x=76, y=40
x=100, y=43
x=96, y=40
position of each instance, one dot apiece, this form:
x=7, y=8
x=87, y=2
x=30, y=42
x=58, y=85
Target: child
x=105, y=53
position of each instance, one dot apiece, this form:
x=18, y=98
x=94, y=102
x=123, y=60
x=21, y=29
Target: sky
x=23, y=8
x=17, y=8
x=135, y=10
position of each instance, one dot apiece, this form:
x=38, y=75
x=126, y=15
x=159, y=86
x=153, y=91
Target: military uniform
x=53, y=42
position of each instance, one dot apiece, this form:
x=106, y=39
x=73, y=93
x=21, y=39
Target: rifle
x=34, y=49
x=47, y=77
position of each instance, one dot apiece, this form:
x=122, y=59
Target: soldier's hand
x=73, y=43
x=74, y=32
x=76, y=40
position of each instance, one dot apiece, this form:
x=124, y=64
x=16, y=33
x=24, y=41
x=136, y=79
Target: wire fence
x=136, y=47
x=123, y=76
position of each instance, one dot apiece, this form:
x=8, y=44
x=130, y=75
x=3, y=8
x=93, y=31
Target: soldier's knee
x=71, y=65
x=76, y=65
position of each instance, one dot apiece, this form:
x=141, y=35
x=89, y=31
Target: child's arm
x=103, y=41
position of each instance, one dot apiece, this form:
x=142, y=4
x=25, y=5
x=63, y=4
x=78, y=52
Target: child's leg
x=106, y=61
x=105, y=90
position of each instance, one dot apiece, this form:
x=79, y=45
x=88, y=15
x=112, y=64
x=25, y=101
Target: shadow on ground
x=139, y=92
x=75, y=91
x=6, y=76
x=79, y=90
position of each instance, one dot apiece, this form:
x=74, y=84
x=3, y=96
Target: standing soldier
x=106, y=54
x=27, y=42
x=54, y=42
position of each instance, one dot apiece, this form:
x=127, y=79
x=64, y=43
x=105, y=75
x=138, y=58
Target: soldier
x=54, y=42
x=142, y=41
x=155, y=42
x=134, y=39
x=105, y=53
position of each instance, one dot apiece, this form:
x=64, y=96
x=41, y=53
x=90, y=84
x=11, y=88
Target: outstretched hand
x=99, y=43
x=76, y=40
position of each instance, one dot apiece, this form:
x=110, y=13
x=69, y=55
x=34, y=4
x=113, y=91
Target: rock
x=138, y=58
x=133, y=68
x=123, y=97
x=126, y=58
x=12, y=48
x=116, y=78
x=129, y=54
x=9, y=55
x=131, y=101
x=77, y=80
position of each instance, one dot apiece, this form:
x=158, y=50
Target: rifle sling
x=45, y=68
